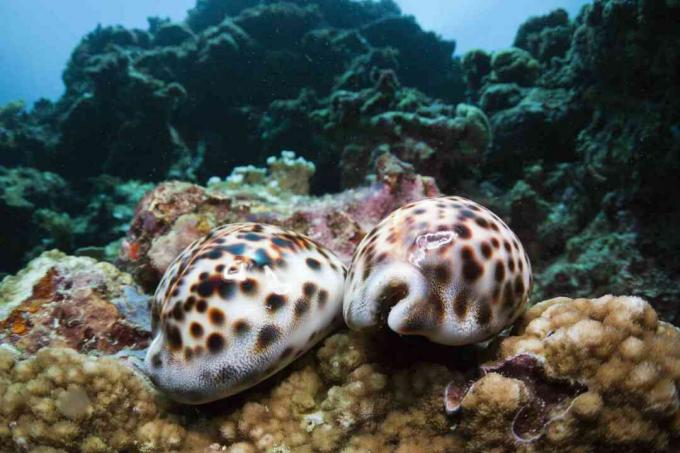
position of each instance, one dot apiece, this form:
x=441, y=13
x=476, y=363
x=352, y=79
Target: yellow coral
x=350, y=397
x=625, y=357
x=345, y=403
x=59, y=399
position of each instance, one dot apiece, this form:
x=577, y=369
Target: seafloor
x=572, y=136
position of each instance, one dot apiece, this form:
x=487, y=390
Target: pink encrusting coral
x=175, y=214
x=75, y=302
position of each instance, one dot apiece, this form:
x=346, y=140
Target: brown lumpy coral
x=622, y=363
x=345, y=401
x=577, y=375
x=65, y=400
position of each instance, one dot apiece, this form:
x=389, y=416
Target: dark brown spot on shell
x=189, y=303
x=499, y=272
x=461, y=303
x=174, y=337
x=438, y=274
x=462, y=231
x=178, y=311
x=483, y=314
x=215, y=342
x=216, y=316
x=486, y=250
x=241, y=327
x=267, y=335
x=472, y=270
x=201, y=306
x=274, y=301
x=301, y=307
x=216, y=284
x=482, y=222
x=248, y=286
x=196, y=330
x=322, y=298
x=188, y=353
x=507, y=298
x=156, y=361
x=496, y=244
x=313, y=263
x=519, y=286
x=309, y=289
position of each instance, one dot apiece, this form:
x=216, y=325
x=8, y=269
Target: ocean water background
x=37, y=36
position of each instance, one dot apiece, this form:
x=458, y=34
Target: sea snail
x=444, y=268
x=237, y=306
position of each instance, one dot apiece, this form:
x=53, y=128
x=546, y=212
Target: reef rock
x=175, y=214
x=75, y=302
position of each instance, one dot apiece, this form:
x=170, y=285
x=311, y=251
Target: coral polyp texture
x=445, y=268
x=238, y=305
x=580, y=375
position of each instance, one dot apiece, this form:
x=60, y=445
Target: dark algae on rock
x=333, y=120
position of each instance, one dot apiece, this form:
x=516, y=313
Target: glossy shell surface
x=445, y=268
x=237, y=306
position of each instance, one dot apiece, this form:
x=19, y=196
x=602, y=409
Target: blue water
x=37, y=36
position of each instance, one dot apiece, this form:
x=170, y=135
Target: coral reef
x=585, y=150
x=571, y=136
x=47, y=212
x=578, y=375
x=150, y=97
